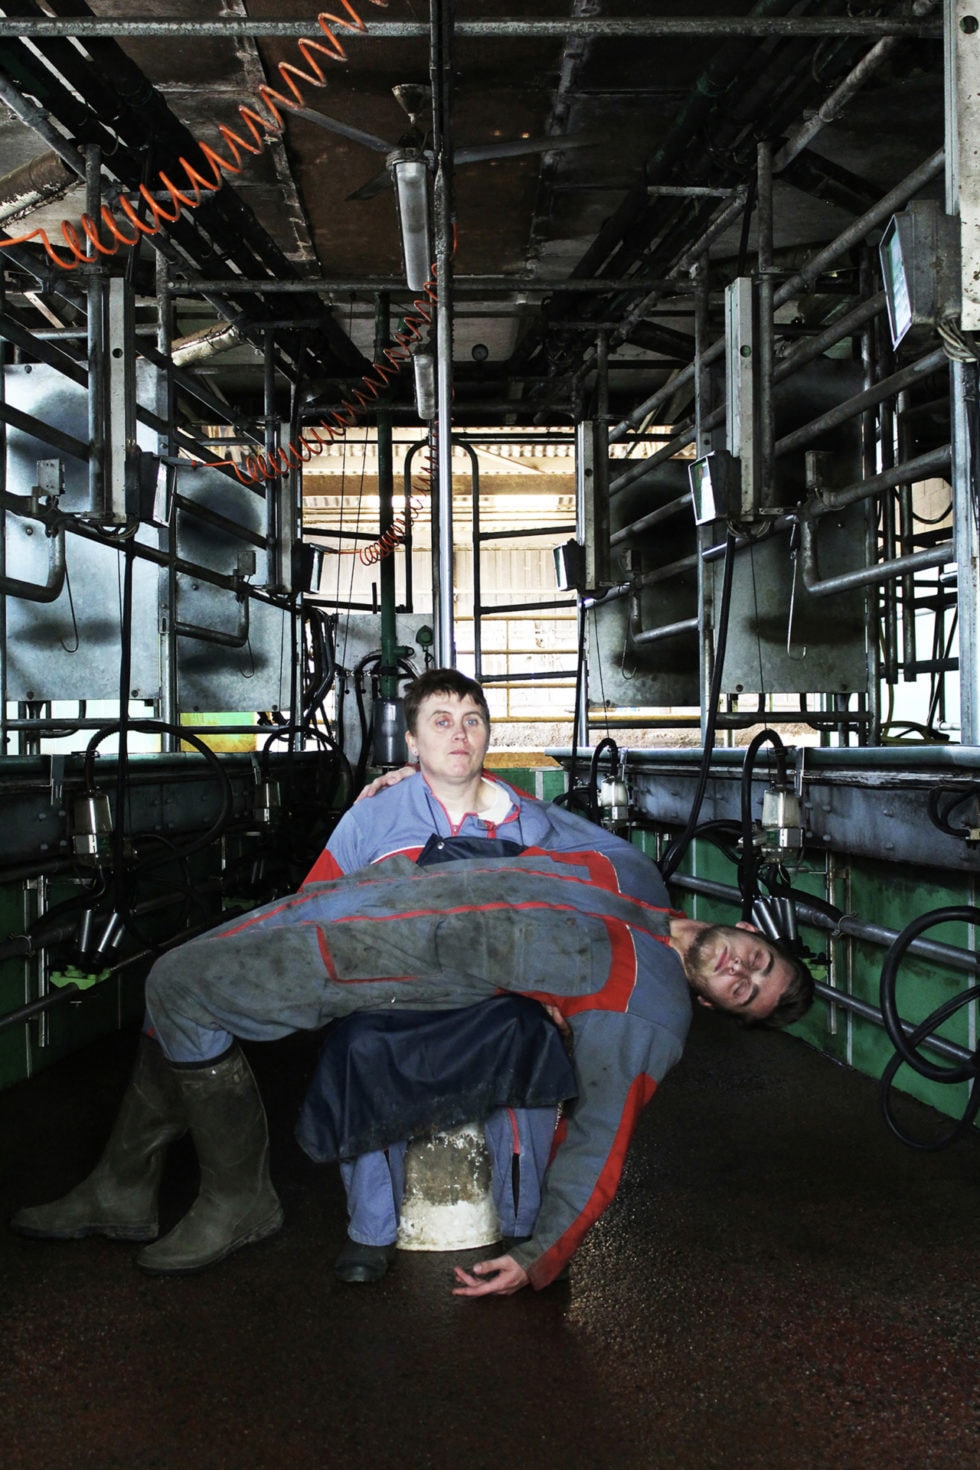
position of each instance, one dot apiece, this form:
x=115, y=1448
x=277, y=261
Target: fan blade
x=483, y=152
x=373, y=187
x=334, y=125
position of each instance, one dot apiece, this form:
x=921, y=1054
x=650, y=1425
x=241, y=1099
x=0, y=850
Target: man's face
x=450, y=738
x=733, y=968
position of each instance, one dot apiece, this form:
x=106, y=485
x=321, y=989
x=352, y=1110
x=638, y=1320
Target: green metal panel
x=889, y=895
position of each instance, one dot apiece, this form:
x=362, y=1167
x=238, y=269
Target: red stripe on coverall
x=612, y=993
x=544, y=1270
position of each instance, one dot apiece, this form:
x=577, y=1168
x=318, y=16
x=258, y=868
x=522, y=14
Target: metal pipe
x=844, y=412
x=907, y=541
x=831, y=106
x=656, y=400
x=645, y=523
x=765, y=329
x=4, y=680
x=38, y=429
x=388, y=668
x=862, y=226
x=38, y=121
x=41, y=180
x=371, y=285
x=509, y=607
x=477, y=541
x=37, y=346
x=716, y=226
x=668, y=630
x=229, y=581
x=840, y=327
x=97, y=328
x=937, y=556
x=202, y=346
x=238, y=639
x=936, y=462
x=441, y=73
x=48, y=591
x=585, y=28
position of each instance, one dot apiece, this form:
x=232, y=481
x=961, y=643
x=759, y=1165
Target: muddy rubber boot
x=236, y=1204
x=119, y=1197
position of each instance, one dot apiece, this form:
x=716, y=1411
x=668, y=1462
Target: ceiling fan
x=409, y=162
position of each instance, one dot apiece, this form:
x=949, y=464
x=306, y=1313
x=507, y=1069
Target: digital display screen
x=896, y=281
x=699, y=474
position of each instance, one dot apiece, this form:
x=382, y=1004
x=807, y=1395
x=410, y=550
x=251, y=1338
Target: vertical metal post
x=741, y=436
x=874, y=609
x=388, y=668
x=441, y=71
x=96, y=331
x=963, y=196
x=585, y=536
x=167, y=593
x=768, y=500
x=706, y=574
x=600, y=465
x=477, y=567
x=278, y=533
x=119, y=442
x=581, y=732
x=3, y=533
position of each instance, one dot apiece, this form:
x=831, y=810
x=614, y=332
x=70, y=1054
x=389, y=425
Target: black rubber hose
x=963, y=1072
x=961, y=1125
x=608, y=743
x=748, y=868
x=941, y=818
x=154, y=727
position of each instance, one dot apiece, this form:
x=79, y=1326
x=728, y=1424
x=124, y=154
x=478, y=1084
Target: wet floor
x=779, y=1284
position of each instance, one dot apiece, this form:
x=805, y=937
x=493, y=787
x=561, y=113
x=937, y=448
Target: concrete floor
x=779, y=1284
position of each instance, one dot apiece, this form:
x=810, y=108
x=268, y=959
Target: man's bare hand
x=501, y=1276
x=390, y=778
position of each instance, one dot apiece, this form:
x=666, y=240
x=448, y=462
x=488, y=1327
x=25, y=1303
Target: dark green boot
x=236, y=1204
x=119, y=1197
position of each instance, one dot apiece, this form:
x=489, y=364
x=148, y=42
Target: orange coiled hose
x=82, y=242
x=313, y=440
x=374, y=382
x=369, y=556
x=196, y=184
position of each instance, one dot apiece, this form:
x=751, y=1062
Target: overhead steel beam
x=371, y=284
x=517, y=29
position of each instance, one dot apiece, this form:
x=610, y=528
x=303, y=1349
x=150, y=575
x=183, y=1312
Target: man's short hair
x=797, y=998
x=442, y=681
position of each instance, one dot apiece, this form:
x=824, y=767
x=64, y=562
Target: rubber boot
x=236, y=1204
x=119, y=1197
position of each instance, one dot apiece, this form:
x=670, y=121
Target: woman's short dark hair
x=442, y=681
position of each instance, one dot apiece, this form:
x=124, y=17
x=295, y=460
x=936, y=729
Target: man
x=588, y=932
x=451, y=797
